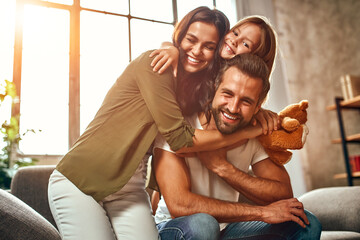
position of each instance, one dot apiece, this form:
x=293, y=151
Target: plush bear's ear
x=304, y=104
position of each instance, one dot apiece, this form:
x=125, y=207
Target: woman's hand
x=165, y=57
x=268, y=120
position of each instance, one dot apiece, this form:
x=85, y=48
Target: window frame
x=74, y=56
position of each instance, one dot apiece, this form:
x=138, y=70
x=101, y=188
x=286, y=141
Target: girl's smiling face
x=243, y=39
x=198, y=46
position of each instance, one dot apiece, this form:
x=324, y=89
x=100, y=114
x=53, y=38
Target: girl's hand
x=268, y=120
x=165, y=57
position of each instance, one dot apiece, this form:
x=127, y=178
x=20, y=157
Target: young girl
x=98, y=189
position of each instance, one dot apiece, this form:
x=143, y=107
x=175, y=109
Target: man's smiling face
x=236, y=100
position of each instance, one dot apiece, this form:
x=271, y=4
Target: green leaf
x=10, y=89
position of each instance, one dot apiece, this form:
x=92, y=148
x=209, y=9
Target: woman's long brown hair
x=194, y=91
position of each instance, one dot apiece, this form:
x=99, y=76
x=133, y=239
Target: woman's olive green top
x=140, y=104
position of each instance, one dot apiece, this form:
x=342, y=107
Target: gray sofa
x=25, y=213
x=338, y=209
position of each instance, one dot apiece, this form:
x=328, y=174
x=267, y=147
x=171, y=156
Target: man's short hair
x=250, y=65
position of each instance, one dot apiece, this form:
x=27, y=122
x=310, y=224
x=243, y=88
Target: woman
x=98, y=189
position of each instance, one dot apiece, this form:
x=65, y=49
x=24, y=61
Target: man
x=201, y=192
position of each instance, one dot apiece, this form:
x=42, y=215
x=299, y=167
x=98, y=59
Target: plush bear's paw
x=290, y=124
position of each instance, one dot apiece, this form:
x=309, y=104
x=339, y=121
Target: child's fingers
x=254, y=122
x=155, y=52
x=159, y=64
x=155, y=60
x=273, y=121
x=263, y=122
x=164, y=67
x=175, y=69
x=276, y=122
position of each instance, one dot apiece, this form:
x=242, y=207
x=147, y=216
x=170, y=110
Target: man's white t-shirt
x=206, y=183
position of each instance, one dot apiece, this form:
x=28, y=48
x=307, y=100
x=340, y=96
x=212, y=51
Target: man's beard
x=226, y=128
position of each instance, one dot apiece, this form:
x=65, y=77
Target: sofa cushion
x=19, y=221
x=336, y=235
x=337, y=208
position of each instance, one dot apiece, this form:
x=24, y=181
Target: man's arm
x=270, y=183
x=173, y=179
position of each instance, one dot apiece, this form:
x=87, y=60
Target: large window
x=64, y=55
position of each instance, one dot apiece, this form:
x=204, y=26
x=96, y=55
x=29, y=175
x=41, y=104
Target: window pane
x=45, y=80
x=144, y=38
x=104, y=55
x=185, y=6
x=67, y=2
x=7, y=33
x=115, y=6
x=229, y=8
x=155, y=9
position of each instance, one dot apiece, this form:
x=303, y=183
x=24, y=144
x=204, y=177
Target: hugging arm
x=173, y=178
x=158, y=92
x=204, y=141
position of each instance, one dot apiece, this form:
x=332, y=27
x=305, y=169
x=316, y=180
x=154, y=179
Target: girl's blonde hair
x=267, y=48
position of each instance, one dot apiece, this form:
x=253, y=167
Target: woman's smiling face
x=198, y=46
x=242, y=39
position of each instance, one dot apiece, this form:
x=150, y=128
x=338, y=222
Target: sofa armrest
x=19, y=221
x=30, y=185
x=337, y=208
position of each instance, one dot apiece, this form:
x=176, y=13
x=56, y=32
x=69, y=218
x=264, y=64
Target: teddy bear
x=291, y=134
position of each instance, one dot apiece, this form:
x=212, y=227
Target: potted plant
x=10, y=156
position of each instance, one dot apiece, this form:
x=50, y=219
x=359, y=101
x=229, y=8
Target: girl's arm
x=207, y=140
x=167, y=55
x=213, y=139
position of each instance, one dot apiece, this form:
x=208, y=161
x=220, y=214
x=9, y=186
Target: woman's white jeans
x=119, y=216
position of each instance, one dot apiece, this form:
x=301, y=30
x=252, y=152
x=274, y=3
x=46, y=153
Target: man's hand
x=268, y=120
x=214, y=160
x=285, y=210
